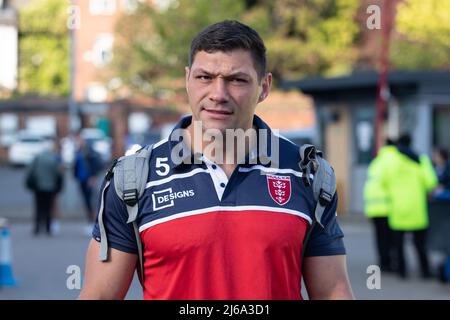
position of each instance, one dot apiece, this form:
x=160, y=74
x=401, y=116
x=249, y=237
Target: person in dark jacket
x=44, y=178
x=442, y=167
x=87, y=165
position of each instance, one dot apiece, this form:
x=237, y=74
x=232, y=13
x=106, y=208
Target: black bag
x=30, y=180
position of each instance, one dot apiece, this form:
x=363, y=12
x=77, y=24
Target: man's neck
x=225, y=151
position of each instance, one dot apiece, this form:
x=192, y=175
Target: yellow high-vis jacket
x=407, y=183
x=376, y=200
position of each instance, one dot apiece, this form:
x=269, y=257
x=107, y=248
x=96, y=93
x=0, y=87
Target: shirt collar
x=266, y=139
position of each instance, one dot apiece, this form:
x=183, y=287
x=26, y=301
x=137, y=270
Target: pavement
x=44, y=266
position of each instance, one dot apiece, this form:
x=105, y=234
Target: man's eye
x=203, y=78
x=239, y=80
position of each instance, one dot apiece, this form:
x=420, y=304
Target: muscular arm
x=326, y=278
x=107, y=280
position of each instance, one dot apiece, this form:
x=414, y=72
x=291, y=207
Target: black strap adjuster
x=130, y=197
x=325, y=198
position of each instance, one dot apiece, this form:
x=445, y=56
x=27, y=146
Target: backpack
x=130, y=178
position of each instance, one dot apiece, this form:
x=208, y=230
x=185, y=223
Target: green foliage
x=43, y=48
x=423, y=41
x=303, y=37
x=311, y=37
x=152, y=46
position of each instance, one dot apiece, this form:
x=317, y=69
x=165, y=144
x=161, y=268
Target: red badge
x=279, y=188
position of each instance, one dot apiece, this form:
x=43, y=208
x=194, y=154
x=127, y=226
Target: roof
x=34, y=103
x=366, y=80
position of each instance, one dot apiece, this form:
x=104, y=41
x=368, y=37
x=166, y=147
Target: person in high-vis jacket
x=408, y=179
x=377, y=206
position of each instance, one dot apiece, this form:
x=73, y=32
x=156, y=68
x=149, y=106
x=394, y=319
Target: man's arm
x=326, y=278
x=107, y=280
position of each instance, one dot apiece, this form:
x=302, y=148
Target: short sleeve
x=120, y=234
x=326, y=241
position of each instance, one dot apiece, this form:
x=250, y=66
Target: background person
x=377, y=206
x=44, y=178
x=408, y=180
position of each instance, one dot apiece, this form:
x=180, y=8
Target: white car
x=27, y=145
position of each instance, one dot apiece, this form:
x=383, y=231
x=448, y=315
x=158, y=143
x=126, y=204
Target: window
x=130, y=6
x=364, y=134
x=164, y=5
x=96, y=93
x=102, y=7
x=102, y=51
x=441, y=128
x=9, y=125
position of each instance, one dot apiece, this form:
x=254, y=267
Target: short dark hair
x=443, y=152
x=390, y=142
x=229, y=35
x=405, y=140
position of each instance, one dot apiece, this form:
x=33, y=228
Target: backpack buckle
x=325, y=198
x=306, y=170
x=130, y=197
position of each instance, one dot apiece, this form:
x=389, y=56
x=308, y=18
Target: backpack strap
x=130, y=178
x=101, y=224
x=323, y=184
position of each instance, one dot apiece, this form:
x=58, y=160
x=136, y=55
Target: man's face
x=223, y=89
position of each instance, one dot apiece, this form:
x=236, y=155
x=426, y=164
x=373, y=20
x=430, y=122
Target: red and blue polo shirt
x=209, y=237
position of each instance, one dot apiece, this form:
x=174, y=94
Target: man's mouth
x=218, y=111
x=218, y=114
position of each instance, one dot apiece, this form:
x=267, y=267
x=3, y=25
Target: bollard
x=6, y=272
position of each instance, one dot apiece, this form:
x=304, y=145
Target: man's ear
x=266, y=85
x=186, y=74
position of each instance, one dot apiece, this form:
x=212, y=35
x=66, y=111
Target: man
x=377, y=206
x=87, y=164
x=215, y=229
x=45, y=178
x=408, y=179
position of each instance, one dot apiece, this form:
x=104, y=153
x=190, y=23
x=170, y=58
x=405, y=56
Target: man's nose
x=219, y=91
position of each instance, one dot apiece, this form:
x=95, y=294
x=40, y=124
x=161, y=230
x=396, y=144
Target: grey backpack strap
x=101, y=224
x=324, y=182
x=130, y=179
x=323, y=185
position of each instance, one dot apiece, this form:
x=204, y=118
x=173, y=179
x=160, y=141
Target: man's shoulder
x=289, y=152
x=160, y=148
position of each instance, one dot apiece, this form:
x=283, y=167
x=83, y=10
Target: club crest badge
x=279, y=188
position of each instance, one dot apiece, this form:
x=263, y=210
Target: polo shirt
x=207, y=236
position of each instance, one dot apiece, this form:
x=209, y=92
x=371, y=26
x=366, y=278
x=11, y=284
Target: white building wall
x=8, y=57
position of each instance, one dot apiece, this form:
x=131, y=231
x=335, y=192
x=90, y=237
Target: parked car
x=26, y=146
x=135, y=141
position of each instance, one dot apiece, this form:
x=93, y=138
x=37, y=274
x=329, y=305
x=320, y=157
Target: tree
x=44, y=48
x=152, y=45
x=423, y=35
x=306, y=37
x=303, y=37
